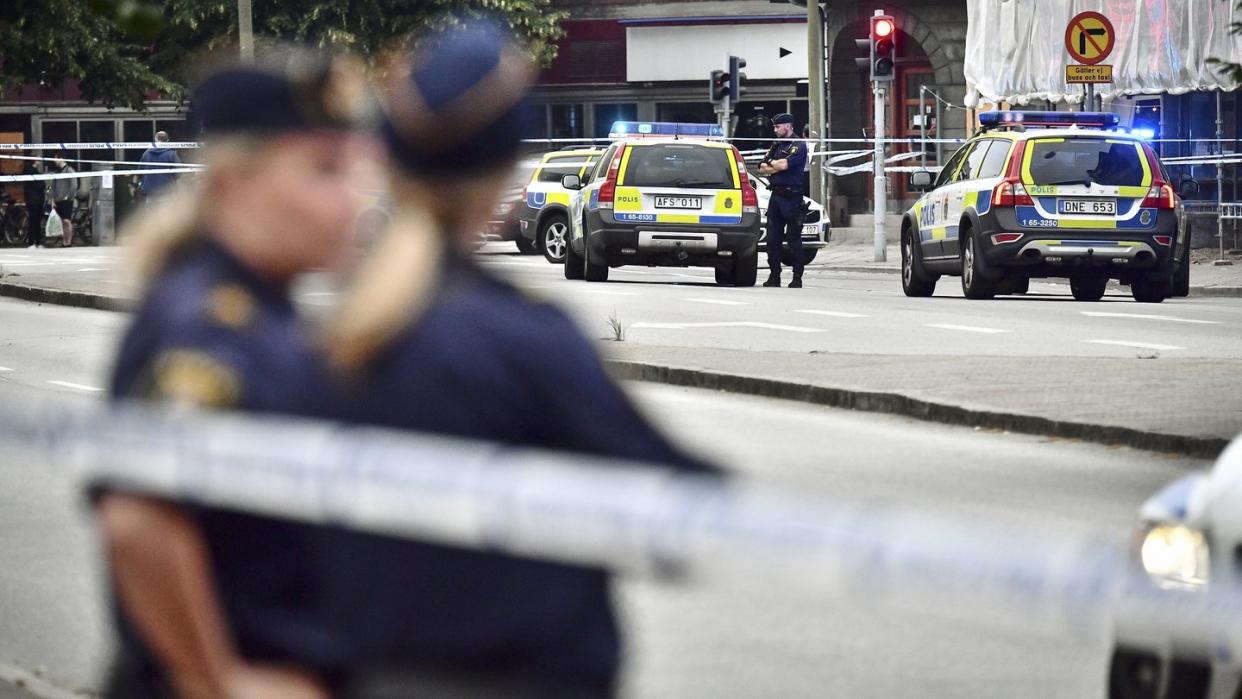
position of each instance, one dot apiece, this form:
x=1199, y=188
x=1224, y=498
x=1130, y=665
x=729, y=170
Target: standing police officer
x=783, y=166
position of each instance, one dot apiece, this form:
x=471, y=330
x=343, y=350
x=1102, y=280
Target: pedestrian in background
x=64, y=192
x=154, y=182
x=217, y=603
x=427, y=340
x=35, y=193
x=783, y=166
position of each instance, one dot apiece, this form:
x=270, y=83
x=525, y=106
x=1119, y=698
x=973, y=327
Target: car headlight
x=1175, y=556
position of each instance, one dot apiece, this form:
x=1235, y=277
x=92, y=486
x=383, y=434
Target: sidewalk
x=1206, y=279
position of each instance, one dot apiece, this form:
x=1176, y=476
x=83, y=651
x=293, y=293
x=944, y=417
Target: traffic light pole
x=725, y=117
x=881, y=181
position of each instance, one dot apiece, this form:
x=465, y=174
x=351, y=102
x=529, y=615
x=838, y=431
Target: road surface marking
x=720, y=301
x=319, y=293
x=606, y=292
x=735, y=324
x=833, y=314
x=1137, y=345
x=1143, y=316
x=93, y=269
x=5, y=368
x=966, y=328
x=75, y=386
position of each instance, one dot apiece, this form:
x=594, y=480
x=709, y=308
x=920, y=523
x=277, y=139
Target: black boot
x=774, y=279
x=797, y=280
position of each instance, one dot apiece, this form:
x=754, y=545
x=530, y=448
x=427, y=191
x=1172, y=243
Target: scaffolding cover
x=1015, y=49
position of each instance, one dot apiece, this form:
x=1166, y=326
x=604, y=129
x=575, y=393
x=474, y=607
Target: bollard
x=103, y=213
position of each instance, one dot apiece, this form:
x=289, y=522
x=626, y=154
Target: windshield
x=1082, y=161
x=678, y=166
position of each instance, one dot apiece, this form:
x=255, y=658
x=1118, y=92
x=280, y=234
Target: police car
x=1048, y=194
x=1187, y=552
x=816, y=228
x=665, y=194
x=543, y=208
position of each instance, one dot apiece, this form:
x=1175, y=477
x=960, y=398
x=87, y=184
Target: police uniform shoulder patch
x=194, y=378
x=230, y=306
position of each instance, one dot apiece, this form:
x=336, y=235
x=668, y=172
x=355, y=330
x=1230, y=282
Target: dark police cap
x=783, y=119
x=293, y=90
x=461, y=105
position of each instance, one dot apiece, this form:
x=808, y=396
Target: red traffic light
x=883, y=28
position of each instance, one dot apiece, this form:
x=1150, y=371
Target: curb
x=62, y=297
x=855, y=268
x=1233, y=291
x=898, y=404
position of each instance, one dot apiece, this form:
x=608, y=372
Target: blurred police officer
x=428, y=340
x=783, y=166
x=215, y=603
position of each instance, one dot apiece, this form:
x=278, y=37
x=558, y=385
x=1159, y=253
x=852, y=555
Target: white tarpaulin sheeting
x=1015, y=49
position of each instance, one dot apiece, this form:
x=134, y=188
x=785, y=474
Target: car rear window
x=555, y=168
x=1080, y=160
x=678, y=166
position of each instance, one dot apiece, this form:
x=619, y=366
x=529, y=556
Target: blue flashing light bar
x=1144, y=133
x=666, y=129
x=1099, y=120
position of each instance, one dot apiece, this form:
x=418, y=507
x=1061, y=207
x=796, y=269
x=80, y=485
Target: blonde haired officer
x=215, y=603
x=430, y=341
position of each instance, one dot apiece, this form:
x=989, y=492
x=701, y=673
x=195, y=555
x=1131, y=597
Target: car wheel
x=591, y=271
x=553, y=238
x=524, y=246
x=1133, y=675
x=1014, y=285
x=808, y=255
x=974, y=284
x=1088, y=287
x=745, y=270
x=1181, y=278
x=1149, y=291
x=572, y=261
x=914, y=281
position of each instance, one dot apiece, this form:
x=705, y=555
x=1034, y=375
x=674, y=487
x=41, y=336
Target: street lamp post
x=245, y=31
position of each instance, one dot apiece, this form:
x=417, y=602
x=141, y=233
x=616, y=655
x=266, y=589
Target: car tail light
x=608, y=190
x=750, y=198
x=1000, y=238
x=1163, y=239
x=1160, y=195
x=1011, y=192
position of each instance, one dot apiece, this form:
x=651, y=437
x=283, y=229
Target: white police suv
x=543, y=208
x=1048, y=194
x=665, y=194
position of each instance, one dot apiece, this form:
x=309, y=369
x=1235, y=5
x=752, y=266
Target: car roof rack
x=1020, y=120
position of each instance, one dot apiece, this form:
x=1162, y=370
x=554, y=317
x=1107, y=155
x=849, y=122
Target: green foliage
x=121, y=50
x=1231, y=71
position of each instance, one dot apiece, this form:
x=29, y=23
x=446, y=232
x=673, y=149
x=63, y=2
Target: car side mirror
x=1189, y=188
x=921, y=180
x=571, y=182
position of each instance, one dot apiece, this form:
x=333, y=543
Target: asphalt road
x=737, y=638
x=868, y=314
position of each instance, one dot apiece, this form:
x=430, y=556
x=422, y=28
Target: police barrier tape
x=139, y=163
x=125, y=145
x=95, y=173
x=626, y=517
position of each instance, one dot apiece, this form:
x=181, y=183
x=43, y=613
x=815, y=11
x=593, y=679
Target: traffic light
x=883, y=38
x=718, y=86
x=736, y=76
x=880, y=47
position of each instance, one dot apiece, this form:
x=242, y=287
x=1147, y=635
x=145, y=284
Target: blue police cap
x=294, y=90
x=461, y=105
x=783, y=119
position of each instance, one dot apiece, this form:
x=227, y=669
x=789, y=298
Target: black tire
x=1088, y=287
x=1014, y=285
x=524, y=246
x=1181, y=277
x=745, y=270
x=974, y=284
x=1149, y=291
x=808, y=255
x=914, y=279
x=573, y=262
x=553, y=238
x=591, y=271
